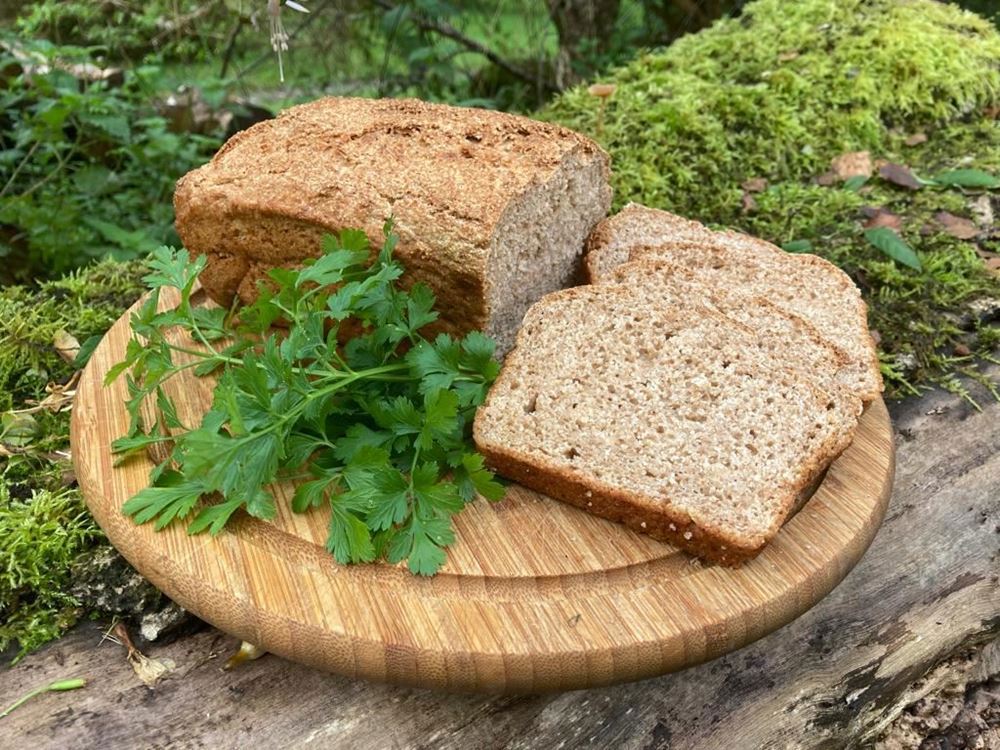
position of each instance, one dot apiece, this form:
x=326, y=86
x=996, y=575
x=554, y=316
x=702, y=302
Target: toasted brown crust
x=448, y=175
x=618, y=506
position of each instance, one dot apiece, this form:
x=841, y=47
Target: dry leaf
x=982, y=209
x=897, y=174
x=961, y=350
x=854, y=164
x=991, y=113
x=749, y=203
x=826, y=179
x=786, y=56
x=66, y=345
x=916, y=139
x=879, y=217
x=755, y=185
x=149, y=670
x=957, y=226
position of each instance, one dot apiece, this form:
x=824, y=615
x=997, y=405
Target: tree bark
x=577, y=21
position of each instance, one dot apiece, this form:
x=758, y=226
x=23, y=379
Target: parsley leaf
x=349, y=396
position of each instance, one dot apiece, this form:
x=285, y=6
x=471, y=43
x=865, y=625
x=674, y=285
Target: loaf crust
x=448, y=176
x=660, y=522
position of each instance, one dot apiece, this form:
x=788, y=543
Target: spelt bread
x=609, y=244
x=792, y=339
x=806, y=285
x=492, y=210
x=675, y=420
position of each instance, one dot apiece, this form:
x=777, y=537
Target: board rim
x=505, y=667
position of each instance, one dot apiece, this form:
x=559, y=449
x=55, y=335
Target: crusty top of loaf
x=459, y=166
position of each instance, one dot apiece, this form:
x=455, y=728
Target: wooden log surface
x=919, y=615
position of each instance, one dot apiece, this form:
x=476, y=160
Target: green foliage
x=84, y=304
x=130, y=29
x=43, y=534
x=781, y=91
x=380, y=425
x=42, y=520
x=88, y=169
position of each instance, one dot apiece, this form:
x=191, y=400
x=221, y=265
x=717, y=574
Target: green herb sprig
x=378, y=428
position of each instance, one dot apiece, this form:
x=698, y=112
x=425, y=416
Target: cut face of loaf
x=675, y=421
x=614, y=237
x=792, y=340
x=492, y=210
x=806, y=285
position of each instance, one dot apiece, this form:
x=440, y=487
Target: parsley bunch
x=378, y=428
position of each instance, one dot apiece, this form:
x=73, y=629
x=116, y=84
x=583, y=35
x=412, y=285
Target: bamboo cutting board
x=536, y=595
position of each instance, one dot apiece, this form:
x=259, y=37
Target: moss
x=778, y=93
x=43, y=534
x=84, y=304
x=43, y=523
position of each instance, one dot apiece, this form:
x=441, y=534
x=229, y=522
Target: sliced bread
x=675, y=420
x=793, y=340
x=806, y=285
x=609, y=244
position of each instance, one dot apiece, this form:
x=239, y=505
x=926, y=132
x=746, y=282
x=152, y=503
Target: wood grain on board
x=535, y=595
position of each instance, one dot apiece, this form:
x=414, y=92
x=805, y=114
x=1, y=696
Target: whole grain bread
x=793, y=339
x=675, y=420
x=806, y=285
x=492, y=210
x=635, y=225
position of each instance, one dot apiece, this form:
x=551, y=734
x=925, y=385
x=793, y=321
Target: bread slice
x=806, y=285
x=609, y=244
x=492, y=210
x=793, y=340
x=676, y=421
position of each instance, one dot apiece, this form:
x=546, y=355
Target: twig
x=231, y=45
x=445, y=29
x=178, y=22
x=17, y=169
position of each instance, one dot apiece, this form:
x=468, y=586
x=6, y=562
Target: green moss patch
x=782, y=90
x=43, y=523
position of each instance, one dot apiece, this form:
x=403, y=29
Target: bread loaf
x=492, y=210
x=673, y=419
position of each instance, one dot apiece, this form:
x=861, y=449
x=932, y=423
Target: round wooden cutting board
x=536, y=595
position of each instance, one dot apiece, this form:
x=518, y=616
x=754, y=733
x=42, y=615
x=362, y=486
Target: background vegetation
x=105, y=103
